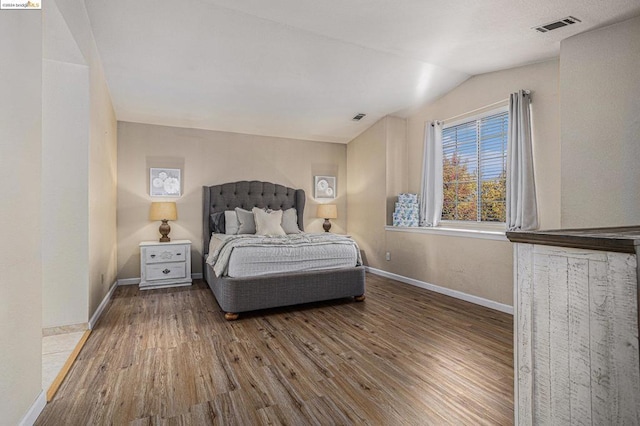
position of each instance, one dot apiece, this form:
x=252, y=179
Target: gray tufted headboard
x=246, y=195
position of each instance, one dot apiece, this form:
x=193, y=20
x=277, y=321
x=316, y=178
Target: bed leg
x=230, y=316
x=359, y=298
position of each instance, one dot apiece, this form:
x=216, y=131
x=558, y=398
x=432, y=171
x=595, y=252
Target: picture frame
x=164, y=182
x=324, y=187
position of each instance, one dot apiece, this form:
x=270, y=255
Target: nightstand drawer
x=166, y=271
x=169, y=253
x=165, y=264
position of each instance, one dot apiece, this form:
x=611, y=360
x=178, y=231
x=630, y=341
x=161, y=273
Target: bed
x=250, y=293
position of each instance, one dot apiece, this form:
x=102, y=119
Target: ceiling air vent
x=358, y=117
x=557, y=24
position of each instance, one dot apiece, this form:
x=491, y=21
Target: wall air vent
x=569, y=20
x=358, y=117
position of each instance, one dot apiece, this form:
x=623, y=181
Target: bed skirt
x=249, y=294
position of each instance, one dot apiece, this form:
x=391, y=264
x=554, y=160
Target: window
x=474, y=168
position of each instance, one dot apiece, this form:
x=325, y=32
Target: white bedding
x=251, y=255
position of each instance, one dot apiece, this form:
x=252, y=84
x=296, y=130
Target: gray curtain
x=431, y=190
x=522, y=208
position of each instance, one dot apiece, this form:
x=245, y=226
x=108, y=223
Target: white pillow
x=231, y=224
x=268, y=223
x=290, y=221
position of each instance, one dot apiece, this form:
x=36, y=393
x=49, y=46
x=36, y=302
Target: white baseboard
x=103, y=304
x=443, y=290
x=34, y=411
x=136, y=281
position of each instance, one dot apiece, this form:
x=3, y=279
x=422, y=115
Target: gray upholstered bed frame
x=237, y=295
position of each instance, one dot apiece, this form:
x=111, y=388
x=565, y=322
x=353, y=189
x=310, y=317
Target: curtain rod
x=477, y=109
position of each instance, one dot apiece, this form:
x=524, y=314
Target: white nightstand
x=165, y=264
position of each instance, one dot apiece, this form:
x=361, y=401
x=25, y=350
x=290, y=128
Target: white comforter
x=255, y=255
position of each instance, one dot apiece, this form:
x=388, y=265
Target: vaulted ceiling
x=302, y=69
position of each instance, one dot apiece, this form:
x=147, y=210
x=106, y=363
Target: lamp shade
x=327, y=211
x=165, y=210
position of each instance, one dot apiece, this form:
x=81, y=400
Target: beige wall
x=20, y=253
x=209, y=158
x=65, y=236
x=486, y=89
x=98, y=156
x=367, y=191
x=600, y=106
x=103, y=166
x=481, y=268
x=397, y=162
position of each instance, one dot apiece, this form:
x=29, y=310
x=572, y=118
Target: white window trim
x=474, y=117
x=477, y=226
x=482, y=234
x=456, y=227
x=462, y=228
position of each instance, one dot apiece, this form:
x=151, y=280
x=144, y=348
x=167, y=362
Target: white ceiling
x=301, y=69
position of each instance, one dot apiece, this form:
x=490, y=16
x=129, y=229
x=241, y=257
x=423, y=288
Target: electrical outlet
x=388, y=256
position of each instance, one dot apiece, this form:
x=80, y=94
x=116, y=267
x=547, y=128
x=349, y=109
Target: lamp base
x=164, y=231
x=326, y=225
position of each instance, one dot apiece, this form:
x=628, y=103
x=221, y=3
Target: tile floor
x=55, y=352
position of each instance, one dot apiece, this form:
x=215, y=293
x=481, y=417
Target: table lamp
x=164, y=211
x=327, y=211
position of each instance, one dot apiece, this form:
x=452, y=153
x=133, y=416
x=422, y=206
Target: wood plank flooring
x=403, y=356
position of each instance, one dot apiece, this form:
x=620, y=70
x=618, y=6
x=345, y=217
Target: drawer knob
x=166, y=271
x=153, y=255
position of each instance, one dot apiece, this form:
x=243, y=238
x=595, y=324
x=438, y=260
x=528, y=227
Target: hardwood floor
x=403, y=356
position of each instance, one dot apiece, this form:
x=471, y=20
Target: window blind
x=474, y=169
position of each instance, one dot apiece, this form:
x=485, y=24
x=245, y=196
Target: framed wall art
x=325, y=187
x=164, y=182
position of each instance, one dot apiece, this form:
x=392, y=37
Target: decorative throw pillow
x=290, y=221
x=268, y=223
x=246, y=221
x=231, y=222
x=217, y=223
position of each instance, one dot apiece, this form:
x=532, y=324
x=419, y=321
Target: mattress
x=255, y=256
